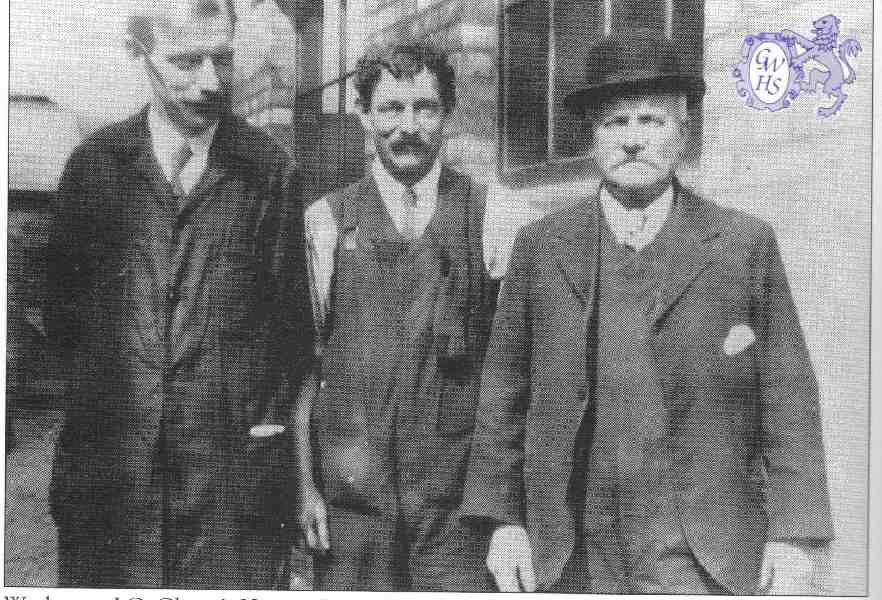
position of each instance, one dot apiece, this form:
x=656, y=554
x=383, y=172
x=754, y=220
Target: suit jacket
x=750, y=438
x=182, y=329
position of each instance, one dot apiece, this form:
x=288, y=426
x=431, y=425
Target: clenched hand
x=510, y=560
x=787, y=570
x=313, y=519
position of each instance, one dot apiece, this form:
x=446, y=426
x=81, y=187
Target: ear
x=134, y=48
x=366, y=121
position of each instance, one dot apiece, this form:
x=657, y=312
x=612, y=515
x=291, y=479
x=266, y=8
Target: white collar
x=166, y=140
x=392, y=190
x=637, y=227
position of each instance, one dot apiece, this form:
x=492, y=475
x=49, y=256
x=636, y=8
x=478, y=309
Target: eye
x=618, y=121
x=427, y=108
x=389, y=108
x=186, y=62
x=223, y=60
x=651, y=120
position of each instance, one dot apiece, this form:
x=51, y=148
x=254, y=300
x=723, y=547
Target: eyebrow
x=221, y=51
x=390, y=103
x=426, y=103
x=638, y=115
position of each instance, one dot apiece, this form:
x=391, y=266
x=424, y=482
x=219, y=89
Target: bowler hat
x=630, y=64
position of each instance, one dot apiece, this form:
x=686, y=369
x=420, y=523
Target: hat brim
x=587, y=98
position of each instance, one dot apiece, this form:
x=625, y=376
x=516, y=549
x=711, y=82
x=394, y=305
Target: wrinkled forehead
x=674, y=105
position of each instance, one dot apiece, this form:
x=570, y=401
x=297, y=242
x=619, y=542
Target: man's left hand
x=787, y=570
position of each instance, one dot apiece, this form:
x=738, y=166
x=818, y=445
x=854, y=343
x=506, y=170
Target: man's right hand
x=510, y=560
x=314, y=520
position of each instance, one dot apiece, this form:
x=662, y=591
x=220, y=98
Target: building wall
x=808, y=177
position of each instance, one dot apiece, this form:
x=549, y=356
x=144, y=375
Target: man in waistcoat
x=649, y=418
x=178, y=298
x=402, y=273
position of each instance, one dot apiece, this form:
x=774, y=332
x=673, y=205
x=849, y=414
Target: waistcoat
x=630, y=477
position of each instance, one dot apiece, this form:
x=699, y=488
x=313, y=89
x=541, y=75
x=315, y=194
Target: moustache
x=208, y=104
x=412, y=143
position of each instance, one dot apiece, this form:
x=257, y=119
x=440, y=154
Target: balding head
x=175, y=18
x=186, y=51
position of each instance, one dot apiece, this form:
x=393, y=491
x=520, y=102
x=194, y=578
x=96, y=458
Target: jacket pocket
x=457, y=400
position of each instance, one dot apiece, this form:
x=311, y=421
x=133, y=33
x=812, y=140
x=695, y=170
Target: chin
x=636, y=181
x=410, y=170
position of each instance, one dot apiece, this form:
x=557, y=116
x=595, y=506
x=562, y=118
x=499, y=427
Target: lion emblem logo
x=773, y=72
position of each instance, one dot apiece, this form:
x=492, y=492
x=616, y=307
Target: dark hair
x=405, y=59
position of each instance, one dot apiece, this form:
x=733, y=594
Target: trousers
x=370, y=552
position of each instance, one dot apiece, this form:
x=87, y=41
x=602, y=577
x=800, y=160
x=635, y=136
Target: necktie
x=408, y=226
x=179, y=160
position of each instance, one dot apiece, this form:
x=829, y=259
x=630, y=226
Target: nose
x=207, y=80
x=633, y=142
x=633, y=149
x=408, y=120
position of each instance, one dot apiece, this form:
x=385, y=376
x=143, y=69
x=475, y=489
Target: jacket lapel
x=144, y=163
x=223, y=152
x=578, y=254
x=690, y=250
x=223, y=146
x=577, y=260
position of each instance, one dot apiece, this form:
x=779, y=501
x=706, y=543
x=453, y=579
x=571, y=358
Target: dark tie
x=408, y=226
x=179, y=160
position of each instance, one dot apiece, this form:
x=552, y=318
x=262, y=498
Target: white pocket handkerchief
x=740, y=337
x=265, y=430
x=349, y=239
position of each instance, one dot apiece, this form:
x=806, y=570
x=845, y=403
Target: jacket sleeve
x=494, y=489
x=286, y=300
x=286, y=327
x=792, y=445
x=71, y=234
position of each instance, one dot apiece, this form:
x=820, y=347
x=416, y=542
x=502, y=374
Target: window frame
x=555, y=166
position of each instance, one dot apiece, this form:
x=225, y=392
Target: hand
x=313, y=520
x=787, y=570
x=510, y=560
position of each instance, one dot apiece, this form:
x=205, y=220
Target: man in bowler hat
x=648, y=417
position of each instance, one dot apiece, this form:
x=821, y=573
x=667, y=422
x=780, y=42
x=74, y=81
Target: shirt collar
x=392, y=190
x=166, y=139
x=621, y=220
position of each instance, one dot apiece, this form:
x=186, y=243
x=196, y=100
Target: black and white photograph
x=454, y=296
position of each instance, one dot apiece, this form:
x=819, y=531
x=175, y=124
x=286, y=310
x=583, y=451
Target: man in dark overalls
x=649, y=418
x=403, y=288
